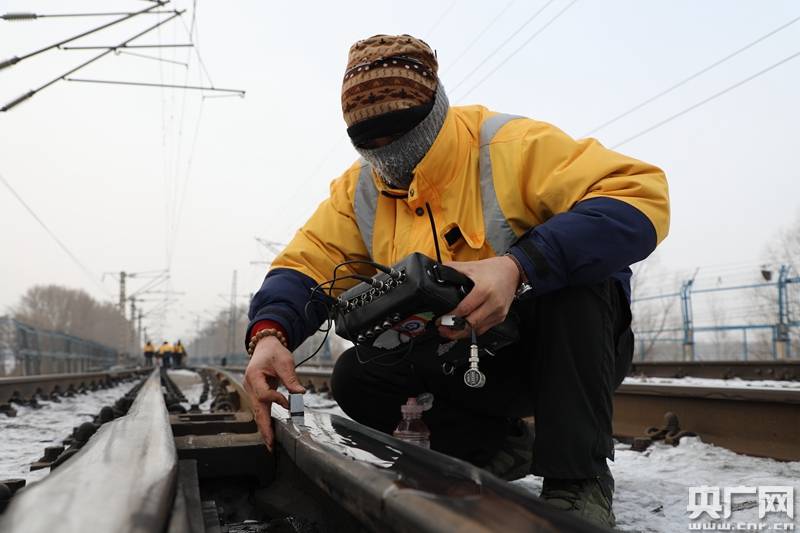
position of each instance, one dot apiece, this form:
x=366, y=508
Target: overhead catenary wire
x=441, y=18
x=32, y=92
x=145, y=56
x=239, y=92
x=686, y=80
x=478, y=37
x=706, y=100
x=91, y=275
x=519, y=48
x=16, y=59
x=18, y=16
x=502, y=44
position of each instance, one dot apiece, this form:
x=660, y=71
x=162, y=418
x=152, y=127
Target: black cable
x=435, y=234
x=324, y=339
x=329, y=308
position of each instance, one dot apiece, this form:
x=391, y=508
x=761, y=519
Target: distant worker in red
x=538, y=221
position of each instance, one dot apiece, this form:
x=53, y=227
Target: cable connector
x=473, y=377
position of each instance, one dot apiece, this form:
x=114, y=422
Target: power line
x=478, y=37
x=518, y=49
x=32, y=92
x=497, y=49
x=58, y=241
x=690, y=78
x=302, y=184
x=436, y=24
x=14, y=60
x=187, y=175
x=706, y=100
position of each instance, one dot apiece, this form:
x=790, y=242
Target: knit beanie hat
x=389, y=86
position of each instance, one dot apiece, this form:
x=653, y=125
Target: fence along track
x=122, y=480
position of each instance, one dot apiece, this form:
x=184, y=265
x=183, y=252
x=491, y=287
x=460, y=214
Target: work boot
x=589, y=499
x=514, y=458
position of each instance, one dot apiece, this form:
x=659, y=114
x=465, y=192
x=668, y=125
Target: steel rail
x=402, y=487
x=123, y=479
x=27, y=387
x=753, y=421
x=760, y=422
x=783, y=370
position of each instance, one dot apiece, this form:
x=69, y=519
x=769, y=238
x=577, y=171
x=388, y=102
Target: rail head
x=123, y=479
x=390, y=485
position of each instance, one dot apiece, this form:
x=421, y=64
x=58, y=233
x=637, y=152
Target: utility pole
x=688, y=326
x=122, y=276
x=133, y=346
x=232, y=317
x=782, y=328
x=139, y=329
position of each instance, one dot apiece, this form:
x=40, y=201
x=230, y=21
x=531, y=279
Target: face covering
x=396, y=161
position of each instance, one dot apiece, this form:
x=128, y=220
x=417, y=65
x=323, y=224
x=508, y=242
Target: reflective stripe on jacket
x=577, y=213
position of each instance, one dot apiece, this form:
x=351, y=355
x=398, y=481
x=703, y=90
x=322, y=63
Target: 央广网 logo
x=710, y=508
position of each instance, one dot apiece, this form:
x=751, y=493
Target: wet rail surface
x=210, y=471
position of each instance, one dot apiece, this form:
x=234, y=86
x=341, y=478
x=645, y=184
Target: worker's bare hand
x=270, y=365
x=487, y=304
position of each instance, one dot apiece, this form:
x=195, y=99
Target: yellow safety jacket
x=165, y=348
x=569, y=210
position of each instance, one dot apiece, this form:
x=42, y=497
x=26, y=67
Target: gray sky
x=108, y=167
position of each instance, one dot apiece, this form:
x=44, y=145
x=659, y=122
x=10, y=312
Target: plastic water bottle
x=411, y=428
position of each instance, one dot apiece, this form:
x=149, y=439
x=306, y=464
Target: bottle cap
x=411, y=407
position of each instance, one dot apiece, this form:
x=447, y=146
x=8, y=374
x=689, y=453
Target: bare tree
x=652, y=317
x=74, y=312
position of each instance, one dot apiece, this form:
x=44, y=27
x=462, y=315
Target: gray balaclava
x=396, y=161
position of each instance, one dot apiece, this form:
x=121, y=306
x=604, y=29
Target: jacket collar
x=440, y=179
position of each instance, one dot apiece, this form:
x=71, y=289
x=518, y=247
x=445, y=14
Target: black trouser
x=575, y=348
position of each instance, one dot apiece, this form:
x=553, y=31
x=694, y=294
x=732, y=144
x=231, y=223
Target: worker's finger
x=285, y=370
x=264, y=393
x=480, y=316
x=264, y=422
x=470, y=303
x=453, y=334
x=462, y=266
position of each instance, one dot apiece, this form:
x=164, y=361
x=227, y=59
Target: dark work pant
x=575, y=348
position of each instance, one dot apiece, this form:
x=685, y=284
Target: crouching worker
x=538, y=221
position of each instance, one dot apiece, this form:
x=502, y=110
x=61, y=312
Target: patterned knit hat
x=394, y=75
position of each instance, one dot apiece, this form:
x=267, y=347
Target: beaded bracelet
x=269, y=332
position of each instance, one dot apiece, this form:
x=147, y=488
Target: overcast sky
x=108, y=168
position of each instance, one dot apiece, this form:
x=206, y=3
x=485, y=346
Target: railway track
x=26, y=390
x=781, y=370
x=153, y=470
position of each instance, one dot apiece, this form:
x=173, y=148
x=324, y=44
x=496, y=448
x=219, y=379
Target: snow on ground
x=652, y=488
x=707, y=382
x=191, y=385
x=25, y=436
